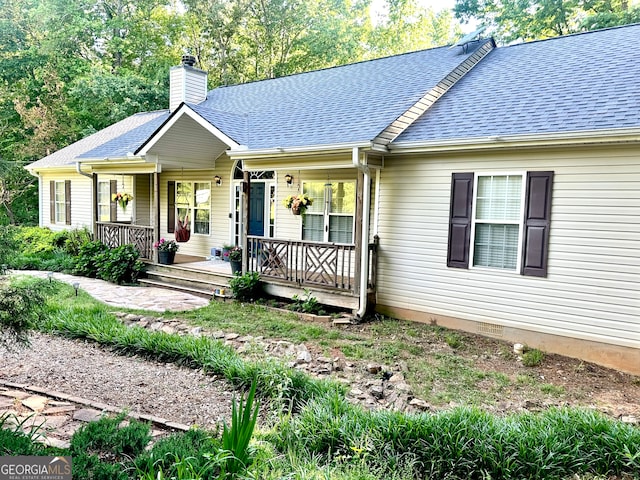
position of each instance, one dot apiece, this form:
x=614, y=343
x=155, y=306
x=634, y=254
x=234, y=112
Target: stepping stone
x=56, y=442
x=87, y=415
x=35, y=403
x=19, y=394
x=58, y=410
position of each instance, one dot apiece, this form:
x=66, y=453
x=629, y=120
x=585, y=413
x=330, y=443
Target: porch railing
x=308, y=263
x=117, y=234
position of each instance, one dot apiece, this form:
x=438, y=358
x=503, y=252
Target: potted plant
x=235, y=259
x=298, y=203
x=166, y=251
x=122, y=198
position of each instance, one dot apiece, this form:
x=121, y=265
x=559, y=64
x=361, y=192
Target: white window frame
x=519, y=222
x=102, y=204
x=60, y=205
x=327, y=214
x=192, y=205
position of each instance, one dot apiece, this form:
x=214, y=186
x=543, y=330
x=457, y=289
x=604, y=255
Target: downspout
x=79, y=170
x=364, y=253
x=93, y=198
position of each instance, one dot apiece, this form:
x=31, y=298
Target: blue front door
x=256, y=210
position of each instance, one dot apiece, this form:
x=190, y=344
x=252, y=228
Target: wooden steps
x=184, y=279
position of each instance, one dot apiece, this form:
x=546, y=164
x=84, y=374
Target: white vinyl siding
x=592, y=289
x=497, y=221
x=81, y=201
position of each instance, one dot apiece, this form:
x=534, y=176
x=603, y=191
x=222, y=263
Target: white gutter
x=364, y=253
x=536, y=140
x=244, y=152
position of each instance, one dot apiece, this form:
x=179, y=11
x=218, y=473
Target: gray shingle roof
x=580, y=82
x=114, y=141
x=351, y=103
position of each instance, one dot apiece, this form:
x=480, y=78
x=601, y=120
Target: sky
x=436, y=6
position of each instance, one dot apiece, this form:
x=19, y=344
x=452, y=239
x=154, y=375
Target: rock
x=402, y=387
x=419, y=404
x=35, y=403
x=168, y=329
x=143, y=323
x=218, y=334
x=374, y=368
x=396, y=378
x=196, y=331
x=245, y=339
x=87, y=415
x=377, y=391
x=323, y=360
x=130, y=317
x=231, y=336
x=356, y=392
x=303, y=357
x=156, y=326
x=631, y=419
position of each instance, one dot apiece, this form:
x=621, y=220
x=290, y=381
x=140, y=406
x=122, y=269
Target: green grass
x=327, y=437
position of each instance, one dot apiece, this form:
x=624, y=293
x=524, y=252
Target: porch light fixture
x=288, y=178
x=218, y=180
x=76, y=285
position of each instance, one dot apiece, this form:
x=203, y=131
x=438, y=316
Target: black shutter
x=52, y=202
x=537, y=217
x=460, y=220
x=67, y=202
x=113, y=205
x=171, y=207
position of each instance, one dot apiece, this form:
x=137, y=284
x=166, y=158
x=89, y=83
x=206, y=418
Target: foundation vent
x=490, y=329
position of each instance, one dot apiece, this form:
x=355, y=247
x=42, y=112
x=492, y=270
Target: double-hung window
x=193, y=206
x=331, y=216
x=60, y=202
x=497, y=221
x=500, y=221
x=104, y=201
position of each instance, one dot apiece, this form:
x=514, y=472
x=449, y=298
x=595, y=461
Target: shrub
x=119, y=265
x=306, y=304
x=20, y=307
x=246, y=287
x=86, y=263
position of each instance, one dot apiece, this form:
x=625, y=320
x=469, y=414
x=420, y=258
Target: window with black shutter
x=493, y=225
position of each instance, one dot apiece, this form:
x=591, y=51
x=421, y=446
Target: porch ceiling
x=187, y=144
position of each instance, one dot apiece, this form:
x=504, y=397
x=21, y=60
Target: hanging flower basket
x=298, y=203
x=122, y=198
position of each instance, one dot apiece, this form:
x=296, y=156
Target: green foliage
x=306, y=304
x=107, y=438
x=21, y=305
x=464, y=443
x=119, y=265
x=87, y=263
x=188, y=450
x=235, y=439
x=532, y=358
x=533, y=20
x=246, y=287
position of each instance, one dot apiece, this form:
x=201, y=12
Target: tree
x=524, y=20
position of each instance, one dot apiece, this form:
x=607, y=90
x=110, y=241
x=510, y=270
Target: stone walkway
x=144, y=298
x=53, y=417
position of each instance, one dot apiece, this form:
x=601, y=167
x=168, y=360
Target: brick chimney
x=187, y=83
